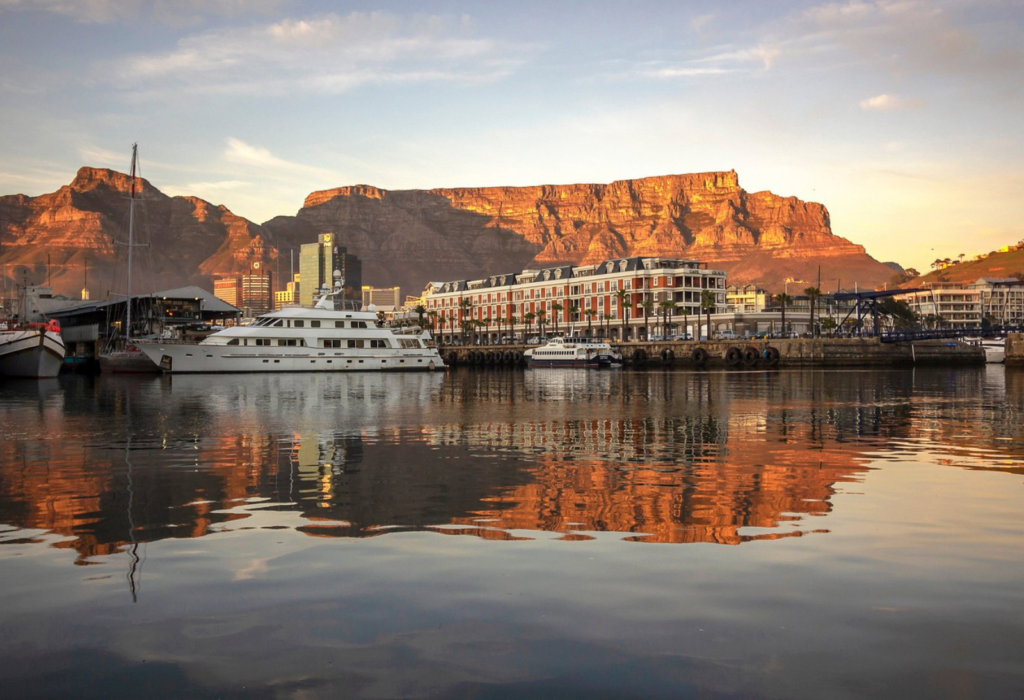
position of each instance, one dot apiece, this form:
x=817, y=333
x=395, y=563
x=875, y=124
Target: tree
x=432, y=315
x=784, y=299
x=589, y=313
x=556, y=309
x=420, y=311
x=668, y=307
x=528, y=318
x=512, y=320
x=828, y=325
x=542, y=317
x=813, y=293
x=648, y=306
x=607, y=318
x=708, y=302
x=623, y=296
x=465, y=306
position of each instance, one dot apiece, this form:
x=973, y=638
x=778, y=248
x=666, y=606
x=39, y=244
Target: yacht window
x=299, y=324
x=339, y=324
x=233, y=341
x=331, y=343
x=263, y=341
x=314, y=324
x=378, y=343
x=355, y=343
x=278, y=323
x=288, y=342
x=359, y=324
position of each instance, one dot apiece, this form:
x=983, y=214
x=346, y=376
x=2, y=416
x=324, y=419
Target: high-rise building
x=257, y=290
x=317, y=263
x=385, y=296
x=228, y=289
x=288, y=295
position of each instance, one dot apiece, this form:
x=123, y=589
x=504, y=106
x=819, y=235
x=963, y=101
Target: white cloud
x=883, y=103
x=239, y=152
x=170, y=11
x=322, y=55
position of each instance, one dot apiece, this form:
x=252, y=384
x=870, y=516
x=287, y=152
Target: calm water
x=524, y=534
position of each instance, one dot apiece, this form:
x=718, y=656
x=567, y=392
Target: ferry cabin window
x=355, y=343
x=331, y=343
x=314, y=324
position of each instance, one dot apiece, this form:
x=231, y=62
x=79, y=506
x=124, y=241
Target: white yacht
x=574, y=352
x=299, y=339
x=32, y=350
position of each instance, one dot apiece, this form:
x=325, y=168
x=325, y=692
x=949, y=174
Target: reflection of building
x=317, y=263
x=384, y=296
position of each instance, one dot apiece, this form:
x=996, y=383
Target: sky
x=903, y=117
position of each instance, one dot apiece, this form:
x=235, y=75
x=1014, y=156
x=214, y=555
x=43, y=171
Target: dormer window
x=558, y=274
x=623, y=265
x=610, y=267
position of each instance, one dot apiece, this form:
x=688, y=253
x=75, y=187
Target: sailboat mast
x=131, y=245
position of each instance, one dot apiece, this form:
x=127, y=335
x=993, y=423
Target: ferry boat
x=573, y=352
x=299, y=339
x=31, y=350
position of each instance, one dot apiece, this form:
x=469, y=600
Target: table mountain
x=409, y=237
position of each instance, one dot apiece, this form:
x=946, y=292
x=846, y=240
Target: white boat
x=995, y=348
x=299, y=339
x=574, y=352
x=34, y=350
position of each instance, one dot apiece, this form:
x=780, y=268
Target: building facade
x=748, y=299
x=625, y=299
x=382, y=296
x=317, y=263
x=229, y=290
x=289, y=295
x=986, y=301
x=257, y=291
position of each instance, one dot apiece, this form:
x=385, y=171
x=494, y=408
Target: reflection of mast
x=135, y=565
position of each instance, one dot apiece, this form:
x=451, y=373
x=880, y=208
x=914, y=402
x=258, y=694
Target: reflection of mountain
x=676, y=457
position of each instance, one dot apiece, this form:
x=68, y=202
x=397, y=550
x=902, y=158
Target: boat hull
x=128, y=363
x=220, y=359
x=31, y=353
x=591, y=363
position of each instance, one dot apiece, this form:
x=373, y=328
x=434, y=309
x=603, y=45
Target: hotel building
x=999, y=301
x=317, y=263
x=620, y=298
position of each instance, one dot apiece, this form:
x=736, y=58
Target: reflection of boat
x=33, y=350
x=574, y=352
x=995, y=349
x=296, y=339
x=123, y=355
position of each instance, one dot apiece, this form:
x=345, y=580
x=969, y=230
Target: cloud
x=174, y=12
x=884, y=103
x=239, y=152
x=328, y=54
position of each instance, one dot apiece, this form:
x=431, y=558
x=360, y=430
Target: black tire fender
x=733, y=356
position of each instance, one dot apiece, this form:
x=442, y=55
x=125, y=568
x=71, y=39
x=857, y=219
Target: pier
x=802, y=352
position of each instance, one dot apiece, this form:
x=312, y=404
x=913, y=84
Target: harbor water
x=792, y=533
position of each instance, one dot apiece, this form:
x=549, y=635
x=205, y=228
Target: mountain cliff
x=409, y=237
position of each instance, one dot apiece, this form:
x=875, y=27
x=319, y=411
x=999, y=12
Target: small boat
x=31, y=350
x=995, y=349
x=324, y=338
x=574, y=352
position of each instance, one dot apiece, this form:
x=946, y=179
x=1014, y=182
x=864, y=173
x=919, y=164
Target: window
x=233, y=341
x=410, y=343
x=263, y=341
x=331, y=343
x=299, y=324
x=378, y=343
x=359, y=324
x=314, y=324
x=355, y=343
x=287, y=342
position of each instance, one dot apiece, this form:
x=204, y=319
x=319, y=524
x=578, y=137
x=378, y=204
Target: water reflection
x=110, y=463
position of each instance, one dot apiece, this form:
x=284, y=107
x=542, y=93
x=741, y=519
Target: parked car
x=727, y=334
x=683, y=336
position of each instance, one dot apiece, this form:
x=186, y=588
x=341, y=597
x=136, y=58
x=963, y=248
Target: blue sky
x=903, y=117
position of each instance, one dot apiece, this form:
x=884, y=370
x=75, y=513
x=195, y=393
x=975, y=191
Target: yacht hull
x=31, y=353
x=220, y=359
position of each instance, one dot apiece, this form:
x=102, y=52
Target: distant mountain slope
x=409, y=237
x=999, y=265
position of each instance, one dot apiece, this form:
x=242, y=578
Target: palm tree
x=556, y=309
x=667, y=308
x=432, y=315
x=648, y=306
x=607, y=322
x=487, y=326
x=813, y=293
x=784, y=299
x=542, y=317
x=622, y=296
x=590, y=313
x=465, y=305
x=512, y=326
x=528, y=318
x=707, y=302
x=420, y=311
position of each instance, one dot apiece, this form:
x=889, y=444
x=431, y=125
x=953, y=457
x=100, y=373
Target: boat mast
x=131, y=244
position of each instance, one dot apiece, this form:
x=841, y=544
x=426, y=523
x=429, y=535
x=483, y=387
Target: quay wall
x=1015, y=349
x=834, y=352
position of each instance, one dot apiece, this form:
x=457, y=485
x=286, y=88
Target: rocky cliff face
x=185, y=239
x=410, y=237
